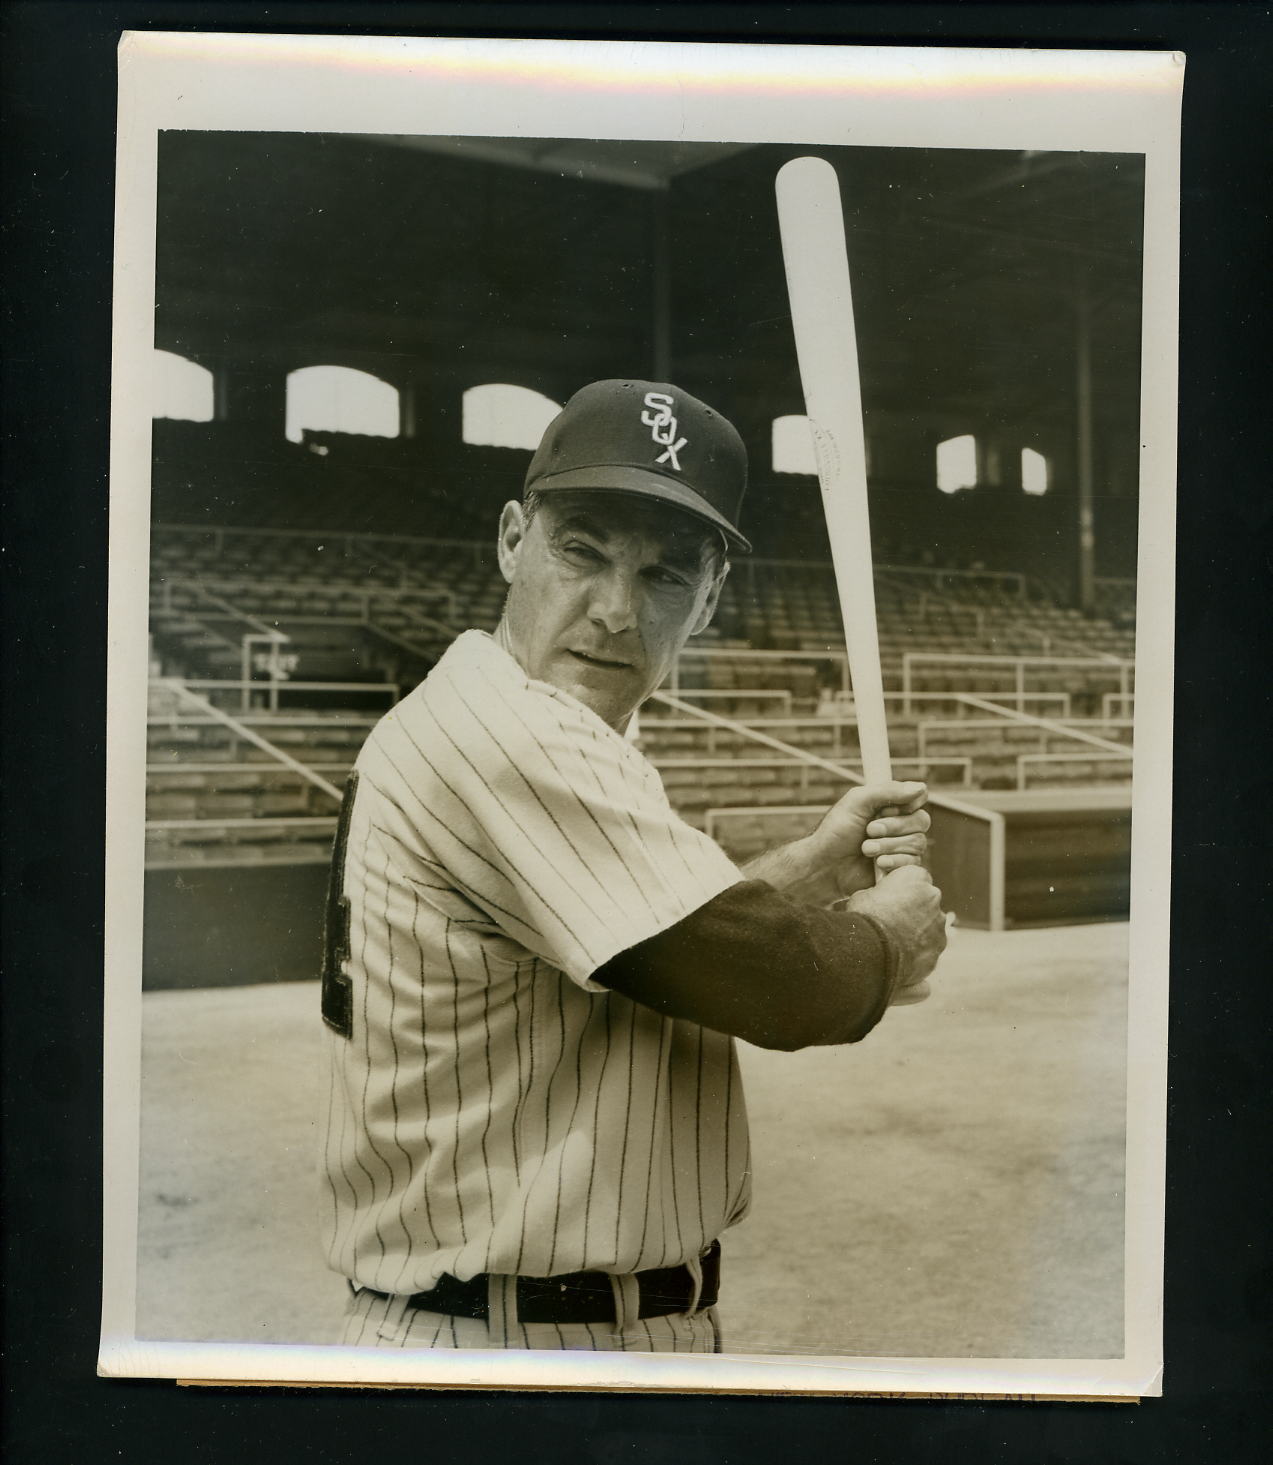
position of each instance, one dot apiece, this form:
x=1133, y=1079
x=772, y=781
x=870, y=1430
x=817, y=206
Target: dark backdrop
x=58, y=101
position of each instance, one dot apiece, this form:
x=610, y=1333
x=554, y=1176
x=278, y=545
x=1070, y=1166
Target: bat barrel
x=815, y=255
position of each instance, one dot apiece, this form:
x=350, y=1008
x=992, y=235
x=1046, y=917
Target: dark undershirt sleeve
x=757, y=964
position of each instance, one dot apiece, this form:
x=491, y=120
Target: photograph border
x=867, y=96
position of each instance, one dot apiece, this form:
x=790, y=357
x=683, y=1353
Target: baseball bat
x=816, y=257
x=811, y=223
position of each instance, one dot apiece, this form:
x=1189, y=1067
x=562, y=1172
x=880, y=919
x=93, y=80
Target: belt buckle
x=572, y=1292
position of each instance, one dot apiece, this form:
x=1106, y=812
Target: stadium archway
x=791, y=445
x=500, y=415
x=957, y=463
x=340, y=399
x=180, y=389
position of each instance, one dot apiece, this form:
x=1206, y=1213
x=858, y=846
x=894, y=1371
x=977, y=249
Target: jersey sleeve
x=548, y=822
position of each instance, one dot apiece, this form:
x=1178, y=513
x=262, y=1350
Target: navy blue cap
x=647, y=438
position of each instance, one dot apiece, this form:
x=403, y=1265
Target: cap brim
x=623, y=478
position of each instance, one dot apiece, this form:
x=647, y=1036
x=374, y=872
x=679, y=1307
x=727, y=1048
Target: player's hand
x=908, y=905
x=877, y=826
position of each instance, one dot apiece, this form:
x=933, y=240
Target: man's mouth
x=605, y=663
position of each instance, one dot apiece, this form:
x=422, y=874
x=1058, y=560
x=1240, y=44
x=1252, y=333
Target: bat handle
x=916, y=993
x=883, y=814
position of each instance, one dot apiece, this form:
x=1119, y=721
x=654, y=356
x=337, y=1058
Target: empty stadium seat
x=351, y=602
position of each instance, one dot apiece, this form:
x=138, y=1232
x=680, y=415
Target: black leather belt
x=575, y=1297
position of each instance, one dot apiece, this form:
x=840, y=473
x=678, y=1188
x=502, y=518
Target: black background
x=59, y=99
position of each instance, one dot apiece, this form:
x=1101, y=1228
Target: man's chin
x=611, y=695
x=612, y=710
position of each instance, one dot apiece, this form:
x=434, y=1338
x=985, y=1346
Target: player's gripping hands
x=881, y=826
x=877, y=827
x=879, y=833
x=908, y=905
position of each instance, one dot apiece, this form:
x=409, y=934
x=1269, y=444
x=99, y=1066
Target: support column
x=254, y=395
x=1083, y=446
x=221, y=391
x=989, y=459
x=407, y=408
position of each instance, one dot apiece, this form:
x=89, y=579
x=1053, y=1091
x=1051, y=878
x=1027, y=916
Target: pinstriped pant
x=387, y=1322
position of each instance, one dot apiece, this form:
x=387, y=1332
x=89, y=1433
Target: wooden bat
x=811, y=223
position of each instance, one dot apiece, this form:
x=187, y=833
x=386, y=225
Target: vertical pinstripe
x=389, y=1323
x=494, y=1109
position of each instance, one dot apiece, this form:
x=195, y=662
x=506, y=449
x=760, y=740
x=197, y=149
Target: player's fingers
x=885, y=864
x=918, y=822
x=896, y=794
x=908, y=844
x=912, y=873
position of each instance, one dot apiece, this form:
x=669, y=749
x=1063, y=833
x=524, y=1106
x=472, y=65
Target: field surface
x=950, y=1187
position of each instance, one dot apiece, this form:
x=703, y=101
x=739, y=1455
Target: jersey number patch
x=338, y=993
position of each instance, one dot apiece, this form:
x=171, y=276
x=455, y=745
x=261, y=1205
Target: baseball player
x=535, y=971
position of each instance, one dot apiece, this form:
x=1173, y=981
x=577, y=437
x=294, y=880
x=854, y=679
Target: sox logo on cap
x=601, y=441
x=662, y=425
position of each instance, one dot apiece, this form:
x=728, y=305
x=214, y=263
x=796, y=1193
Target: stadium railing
x=1027, y=760
x=1050, y=729
x=1019, y=668
x=968, y=844
x=242, y=730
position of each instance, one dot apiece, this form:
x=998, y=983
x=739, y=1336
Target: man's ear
x=713, y=598
x=512, y=533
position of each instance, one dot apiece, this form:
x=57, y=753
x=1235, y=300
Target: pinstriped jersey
x=491, y=1107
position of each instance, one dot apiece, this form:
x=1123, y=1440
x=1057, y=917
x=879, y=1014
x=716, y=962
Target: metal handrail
x=188, y=617
x=266, y=821
x=176, y=685
x=732, y=653
x=739, y=694
x=1073, y=725
x=385, y=634
x=1006, y=717
x=962, y=724
x=199, y=587
x=1059, y=729
x=1024, y=758
x=234, y=684
x=920, y=763
x=800, y=755
x=834, y=725
x=239, y=769
x=1017, y=664
x=365, y=594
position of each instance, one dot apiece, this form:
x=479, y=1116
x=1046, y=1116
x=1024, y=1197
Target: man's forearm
x=758, y=964
x=799, y=869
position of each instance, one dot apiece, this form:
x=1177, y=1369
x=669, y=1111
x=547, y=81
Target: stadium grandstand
x=333, y=440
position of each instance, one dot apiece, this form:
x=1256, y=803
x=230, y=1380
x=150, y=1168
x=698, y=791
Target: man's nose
x=614, y=601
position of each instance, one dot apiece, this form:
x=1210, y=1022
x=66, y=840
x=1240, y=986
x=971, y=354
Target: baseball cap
x=647, y=438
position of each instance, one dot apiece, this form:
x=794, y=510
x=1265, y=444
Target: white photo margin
x=1101, y=101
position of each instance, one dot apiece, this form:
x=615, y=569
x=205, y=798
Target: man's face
x=605, y=588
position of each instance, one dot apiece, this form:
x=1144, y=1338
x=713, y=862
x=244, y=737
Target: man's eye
x=582, y=551
x=666, y=577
